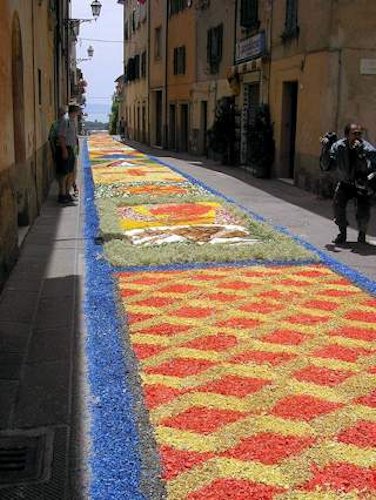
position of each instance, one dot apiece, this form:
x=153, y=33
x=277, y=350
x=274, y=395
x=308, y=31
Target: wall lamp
x=96, y=7
x=90, y=53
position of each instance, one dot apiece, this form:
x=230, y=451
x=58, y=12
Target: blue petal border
x=115, y=463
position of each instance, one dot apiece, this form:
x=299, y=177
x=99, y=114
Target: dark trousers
x=343, y=194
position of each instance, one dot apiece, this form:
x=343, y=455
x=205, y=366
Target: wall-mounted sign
x=368, y=66
x=250, y=48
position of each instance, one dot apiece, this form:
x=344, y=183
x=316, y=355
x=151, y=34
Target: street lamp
x=90, y=53
x=96, y=8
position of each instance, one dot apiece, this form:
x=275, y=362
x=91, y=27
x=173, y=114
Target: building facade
x=313, y=62
x=157, y=73
x=323, y=75
x=181, y=72
x=33, y=83
x=135, y=104
x=215, y=22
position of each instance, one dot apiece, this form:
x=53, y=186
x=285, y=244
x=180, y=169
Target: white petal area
x=230, y=234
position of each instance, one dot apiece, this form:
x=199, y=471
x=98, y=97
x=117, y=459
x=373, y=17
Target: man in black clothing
x=354, y=160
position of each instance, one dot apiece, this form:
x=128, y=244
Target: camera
x=366, y=186
x=329, y=139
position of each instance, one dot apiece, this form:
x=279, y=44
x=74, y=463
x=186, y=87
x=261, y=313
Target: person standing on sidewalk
x=122, y=128
x=354, y=160
x=53, y=138
x=66, y=152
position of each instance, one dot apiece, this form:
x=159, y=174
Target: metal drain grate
x=22, y=458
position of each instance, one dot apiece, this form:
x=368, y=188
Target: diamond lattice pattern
x=260, y=381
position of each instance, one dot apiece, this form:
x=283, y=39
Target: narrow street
x=159, y=334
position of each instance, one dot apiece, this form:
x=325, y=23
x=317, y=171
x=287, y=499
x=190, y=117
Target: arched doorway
x=19, y=124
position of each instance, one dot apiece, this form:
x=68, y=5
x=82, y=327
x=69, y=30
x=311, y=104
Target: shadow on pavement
x=354, y=247
x=42, y=368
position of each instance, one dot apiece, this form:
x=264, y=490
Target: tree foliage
x=114, y=115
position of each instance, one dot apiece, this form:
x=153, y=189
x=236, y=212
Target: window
x=176, y=6
x=40, y=87
x=143, y=65
x=249, y=14
x=291, y=15
x=137, y=67
x=134, y=20
x=214, y=48
x=158, y=43
x=131, y=70
x=179, y=60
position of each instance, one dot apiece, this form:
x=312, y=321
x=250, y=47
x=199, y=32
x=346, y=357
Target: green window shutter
x=209, y=45
x=249, y=13
x=291, y=20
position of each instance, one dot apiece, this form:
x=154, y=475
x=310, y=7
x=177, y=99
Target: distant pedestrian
x=122, y=128
x=354, y=160
x=66, y=152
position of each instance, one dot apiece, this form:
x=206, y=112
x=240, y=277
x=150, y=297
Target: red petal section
x=343, y=477
x=235, y=489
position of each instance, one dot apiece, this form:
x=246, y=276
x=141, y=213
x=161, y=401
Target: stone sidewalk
x=41, y=360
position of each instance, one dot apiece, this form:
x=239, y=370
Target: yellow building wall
x=210, y=88
x=182, y=32
x=157, y=76
x=315, y=112
x=25, y=162
x=157, y=66
x=8, y=209
x=136, y=91
x=325, y=60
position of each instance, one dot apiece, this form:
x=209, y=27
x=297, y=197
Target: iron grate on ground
x=23, y=458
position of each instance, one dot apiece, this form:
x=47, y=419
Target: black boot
x=361, y=237
x=341, y=237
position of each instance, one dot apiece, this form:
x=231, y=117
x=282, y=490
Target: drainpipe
x=270, y=47
x=56, y=61
x=339, y=90
x=148, y=69
x=67, y=53
x=337, y=49
x=235, y=30
x=166, y=81
x=35, y=116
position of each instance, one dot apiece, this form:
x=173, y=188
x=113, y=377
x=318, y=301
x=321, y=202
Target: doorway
x=289, y=118
x=172, y=127
x=144, y=124
x=251, y=102
x=158, y=118
x=184, y=127
x=23, y=216
x=138, y=135
x=204, y=128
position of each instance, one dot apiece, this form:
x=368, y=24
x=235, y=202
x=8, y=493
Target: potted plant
x=261, y=146
x=222, y=136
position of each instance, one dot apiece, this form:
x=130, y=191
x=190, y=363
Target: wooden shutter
x=291, y=21
x=249, y=13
